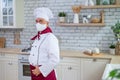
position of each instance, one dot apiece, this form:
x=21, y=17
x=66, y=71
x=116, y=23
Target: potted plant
x=116, y=30
x=62, y=16
x=112, y=49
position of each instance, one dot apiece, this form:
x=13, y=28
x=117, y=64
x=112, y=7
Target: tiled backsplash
x=70, y=38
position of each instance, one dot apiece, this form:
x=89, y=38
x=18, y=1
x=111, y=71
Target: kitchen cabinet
x=12, y=13
x=8, y=67
x=92, y=69
x=81, y=68
x=69, y=69
x=59, y=72
x=11, y=70
x=1, y=67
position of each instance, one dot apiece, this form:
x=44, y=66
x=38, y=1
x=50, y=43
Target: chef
x=44, y=54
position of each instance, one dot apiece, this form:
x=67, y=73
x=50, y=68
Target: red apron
x=51, y=76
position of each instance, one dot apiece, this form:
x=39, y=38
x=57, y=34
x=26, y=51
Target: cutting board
x=2, y=42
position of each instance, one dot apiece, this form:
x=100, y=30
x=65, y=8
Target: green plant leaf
x=113, y=73
x=118, y=76
x=116, y=29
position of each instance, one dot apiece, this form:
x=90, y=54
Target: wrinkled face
x=41, y=21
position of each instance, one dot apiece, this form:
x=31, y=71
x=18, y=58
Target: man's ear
x=47, y=23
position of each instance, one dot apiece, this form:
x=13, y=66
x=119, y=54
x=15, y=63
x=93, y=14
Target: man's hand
x=36, y=71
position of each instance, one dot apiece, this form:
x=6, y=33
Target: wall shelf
x=100, y=6
x=101, y=24
x=82, y=24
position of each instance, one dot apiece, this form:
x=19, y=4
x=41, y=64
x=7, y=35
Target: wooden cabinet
x=81, y=68
x=69, y=69
x=8, y=67
x=92, y=69
x=12, y=13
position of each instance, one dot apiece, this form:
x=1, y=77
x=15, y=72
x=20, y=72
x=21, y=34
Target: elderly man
x=44, y=54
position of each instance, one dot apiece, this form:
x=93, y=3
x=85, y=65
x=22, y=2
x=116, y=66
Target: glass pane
x=4, y=11
x=10, y=20
x=26, y=70
x=4, y=3
x=10, y=11
x=10, y=3
x=5, y=22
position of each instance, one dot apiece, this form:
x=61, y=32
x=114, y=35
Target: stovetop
x=26, y=50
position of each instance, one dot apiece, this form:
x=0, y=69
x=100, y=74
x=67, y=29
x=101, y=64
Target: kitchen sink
x=108, y=69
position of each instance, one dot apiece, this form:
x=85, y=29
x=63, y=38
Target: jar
x=117, y=48
x=105, y=2
x=112, y=2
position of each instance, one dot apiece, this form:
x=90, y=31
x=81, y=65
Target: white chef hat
x=43, y=12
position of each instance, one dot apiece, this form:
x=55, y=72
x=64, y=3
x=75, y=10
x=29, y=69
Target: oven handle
x=24, y=62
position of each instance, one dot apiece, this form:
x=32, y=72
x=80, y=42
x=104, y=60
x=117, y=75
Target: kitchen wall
x=70, y=38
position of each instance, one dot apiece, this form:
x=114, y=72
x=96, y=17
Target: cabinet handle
x=69, y=68
x=10, y=63
x=94, y=60
x=2, y=54
x=61, y=58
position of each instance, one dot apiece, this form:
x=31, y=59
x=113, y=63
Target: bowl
x=95, y=20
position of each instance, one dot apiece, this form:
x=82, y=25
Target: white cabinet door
x=11, y=67
x=68, y=69
x=11, y=13
x=92, y=69
x=2, y=68
x=11, y=70
x=70, y=72
x=8, y=67
x=59, y=72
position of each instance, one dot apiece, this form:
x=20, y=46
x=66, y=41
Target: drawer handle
x=2, y=54
x=61, y=58
x=10, y=63
x=94, y=60
x=69, y=68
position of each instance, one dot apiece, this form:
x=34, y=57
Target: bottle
x=112, y=2
x=91, y=3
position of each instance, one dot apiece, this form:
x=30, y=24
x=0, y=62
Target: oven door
x=24, y=71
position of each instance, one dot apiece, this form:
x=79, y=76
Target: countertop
x=115, y=59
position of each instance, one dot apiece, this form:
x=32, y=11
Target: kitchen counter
x=115, y=59
x=12, y=51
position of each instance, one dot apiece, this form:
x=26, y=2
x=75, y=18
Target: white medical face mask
x=41, y=27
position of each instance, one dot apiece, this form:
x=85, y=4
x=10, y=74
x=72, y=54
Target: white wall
x=73, y=38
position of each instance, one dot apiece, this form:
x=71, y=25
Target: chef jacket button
x=33, y=54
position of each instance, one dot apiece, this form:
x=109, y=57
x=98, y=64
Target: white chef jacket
x=45, y=51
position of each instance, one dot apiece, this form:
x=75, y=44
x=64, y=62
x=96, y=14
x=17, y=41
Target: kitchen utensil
x=17, y=38
x=2, y=42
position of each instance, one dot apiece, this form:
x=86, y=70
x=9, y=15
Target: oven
x=24, y=67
